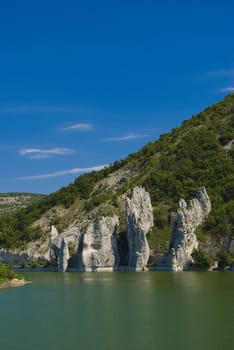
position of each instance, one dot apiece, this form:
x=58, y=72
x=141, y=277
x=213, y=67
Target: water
x=122, y=310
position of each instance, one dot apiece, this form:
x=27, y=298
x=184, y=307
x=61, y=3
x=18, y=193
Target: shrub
x=201, y=259
x=6, y=272
x=224, y=259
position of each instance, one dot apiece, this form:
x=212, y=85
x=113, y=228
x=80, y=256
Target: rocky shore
x=14, y=283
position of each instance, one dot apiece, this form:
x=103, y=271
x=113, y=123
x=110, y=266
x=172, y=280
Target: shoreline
x=119, y=269
x=14, y=283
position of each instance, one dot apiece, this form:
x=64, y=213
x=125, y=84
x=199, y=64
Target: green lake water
x=121, y=310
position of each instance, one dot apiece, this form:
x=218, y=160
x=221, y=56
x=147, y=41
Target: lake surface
x=121, y=310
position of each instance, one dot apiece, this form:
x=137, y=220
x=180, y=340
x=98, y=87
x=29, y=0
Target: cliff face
x=139, y=220
x=183, y=238
x=59, y=246
x=96, y=245
x=100, y=245
x=59, y=250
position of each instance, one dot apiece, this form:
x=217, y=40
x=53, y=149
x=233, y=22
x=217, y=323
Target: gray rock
x=100, y=245
x=183, y=238
x=63, y=256
x=59, y=250
x=139, y=220
x=8, y=257
x=54, y=233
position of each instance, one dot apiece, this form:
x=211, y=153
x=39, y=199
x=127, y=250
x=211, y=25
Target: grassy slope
x=200, y=152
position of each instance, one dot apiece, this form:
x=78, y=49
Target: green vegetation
x=224, y=259
x=13, y=201
x=34, y=264
x=201, y=259
x=199, y=152
x=7, y=274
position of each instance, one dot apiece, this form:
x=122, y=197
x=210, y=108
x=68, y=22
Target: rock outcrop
x=100, y=245
x=33, y=251
x=63, y=256
x=59, y=250
x=183, y=238
x=139, y=220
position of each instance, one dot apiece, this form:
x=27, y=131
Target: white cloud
x=39, y=153
x=130, y=136
x=227, y=89
x=79, y=127
x=62, y=173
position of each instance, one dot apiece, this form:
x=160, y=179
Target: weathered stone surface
x=63, y=256
x=139, y=220
x=183, y=238
x=100, y=245
x=55, y=243
x=54, y=233
x=59, y=250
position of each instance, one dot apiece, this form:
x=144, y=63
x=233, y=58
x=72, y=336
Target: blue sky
x=83, y=83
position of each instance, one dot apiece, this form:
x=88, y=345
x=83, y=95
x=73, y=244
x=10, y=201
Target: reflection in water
x=127, y=310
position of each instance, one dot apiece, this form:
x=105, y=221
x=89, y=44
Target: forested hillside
x=199, y=152
x=13, y=201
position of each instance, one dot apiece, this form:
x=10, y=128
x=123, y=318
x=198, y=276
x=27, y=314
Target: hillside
x=198, y=153
x=13, y=201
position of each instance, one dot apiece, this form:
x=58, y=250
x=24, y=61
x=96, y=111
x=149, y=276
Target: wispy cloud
x=227, y=89
x=78, y=127
x=130, y=136
x=19, y=109
x=39, y=153
x=220, y=73
x=62, y=173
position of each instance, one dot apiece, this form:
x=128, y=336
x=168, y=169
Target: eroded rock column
x=59, y=250
x=139, y=220
x=183, y=238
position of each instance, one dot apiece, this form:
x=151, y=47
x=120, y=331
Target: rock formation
x=63, y=256
x=59, y=250
x=139, y=220
x=100, y=245
x=183, y=238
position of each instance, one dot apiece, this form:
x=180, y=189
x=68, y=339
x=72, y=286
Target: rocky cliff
x=139, y=220
x=94, y=249
x=59, y=253
x=183, y=238
x=99, y=248
x=95, y=243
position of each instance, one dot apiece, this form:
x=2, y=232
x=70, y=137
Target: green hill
x=199, y=152
x=13, y=201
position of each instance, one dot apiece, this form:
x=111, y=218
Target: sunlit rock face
x=99, y=248
x=183, y=238
x=59, y=250
x=63, y=256
x=139, y=220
